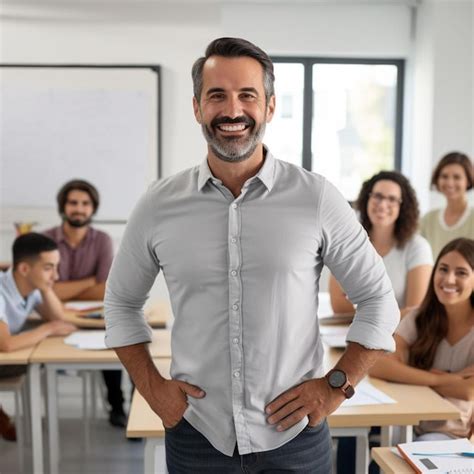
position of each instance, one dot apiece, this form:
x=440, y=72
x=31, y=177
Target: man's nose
x=233, y=107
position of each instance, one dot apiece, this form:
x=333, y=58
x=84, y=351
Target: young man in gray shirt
x=241, y=240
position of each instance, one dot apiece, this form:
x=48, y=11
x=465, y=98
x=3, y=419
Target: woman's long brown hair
x=432, y=320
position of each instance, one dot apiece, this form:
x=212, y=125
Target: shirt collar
x=13, y=289
x=61, y=236
x=266, y=174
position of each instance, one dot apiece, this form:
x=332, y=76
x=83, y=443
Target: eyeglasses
x=379, y=198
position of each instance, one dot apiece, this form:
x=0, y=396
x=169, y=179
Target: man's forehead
x=78, y=194
x=50, y=256
x=241, y=69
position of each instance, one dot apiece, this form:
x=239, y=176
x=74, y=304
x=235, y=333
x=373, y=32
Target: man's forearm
x=96, y=292
x=356, y=361
x=68, y=290
x=139, y=364
x=51, y=308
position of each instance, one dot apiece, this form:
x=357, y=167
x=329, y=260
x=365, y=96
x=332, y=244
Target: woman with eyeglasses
x=435, y=343
x=453, y=177
x=389, y=213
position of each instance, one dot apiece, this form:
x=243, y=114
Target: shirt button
x=235, y=307
x=233, y=240
x=236, y=374
x=234, y=206
x=233, y=273
x=235, y=340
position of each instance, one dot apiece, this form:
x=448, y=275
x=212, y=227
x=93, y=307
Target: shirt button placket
x=235, y=294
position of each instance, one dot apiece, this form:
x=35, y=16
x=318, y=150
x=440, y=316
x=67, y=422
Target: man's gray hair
x=234, y=48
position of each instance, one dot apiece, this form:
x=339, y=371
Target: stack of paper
x=89, y=340
x=84, y=306
x=367, y=394
x=447, y=456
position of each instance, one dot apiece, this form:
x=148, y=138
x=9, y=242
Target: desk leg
x=362, y=453
x=406, y=434
x=152, y=465
x=53, y=431
x=35, y=409
x=386, y=434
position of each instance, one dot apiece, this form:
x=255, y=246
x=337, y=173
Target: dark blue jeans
x=189, y=452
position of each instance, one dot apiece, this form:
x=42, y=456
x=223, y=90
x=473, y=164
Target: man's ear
x=270, y=108
x=23, y=268
x=197, y=110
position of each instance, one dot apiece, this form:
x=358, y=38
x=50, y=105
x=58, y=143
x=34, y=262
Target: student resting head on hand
x=435, y=343
x=26, y=287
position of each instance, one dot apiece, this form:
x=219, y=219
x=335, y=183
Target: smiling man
x=241, y=240
x=86, y=257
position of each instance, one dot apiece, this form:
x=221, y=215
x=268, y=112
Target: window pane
x=284, y=134
x=353, y=133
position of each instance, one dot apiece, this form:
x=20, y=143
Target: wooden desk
x=20, y=357
x=157, y=314
x=56, y=355
x=389, y=462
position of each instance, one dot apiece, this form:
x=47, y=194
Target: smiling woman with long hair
x=435, y=343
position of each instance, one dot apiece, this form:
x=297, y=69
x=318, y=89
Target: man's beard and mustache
x=234, y=148
x=75, y=220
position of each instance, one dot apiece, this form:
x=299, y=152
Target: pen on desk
x=469, y=454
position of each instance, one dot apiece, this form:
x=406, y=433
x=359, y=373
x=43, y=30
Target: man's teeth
x=232, y=128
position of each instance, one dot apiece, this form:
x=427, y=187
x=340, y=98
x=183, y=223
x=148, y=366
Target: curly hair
x=407, y=222
x=432, y=320
x=454, y=158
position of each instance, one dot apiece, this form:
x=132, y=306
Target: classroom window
x=341, y=118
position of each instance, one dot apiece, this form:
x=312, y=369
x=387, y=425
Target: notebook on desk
x=446, y=456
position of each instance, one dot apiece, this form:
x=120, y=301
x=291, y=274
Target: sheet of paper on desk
x=87, y=340
x=84, y=305
x=367, y=394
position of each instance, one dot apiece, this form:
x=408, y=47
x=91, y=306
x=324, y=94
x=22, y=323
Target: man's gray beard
x=229, y=149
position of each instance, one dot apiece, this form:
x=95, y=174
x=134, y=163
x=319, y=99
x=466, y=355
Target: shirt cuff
x=123, y=333
x=371, y=336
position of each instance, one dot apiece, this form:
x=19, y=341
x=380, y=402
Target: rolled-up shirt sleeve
x=353, y=261
x=133, y=273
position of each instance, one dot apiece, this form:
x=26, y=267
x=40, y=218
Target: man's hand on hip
x=313, y=398
x=169, y=399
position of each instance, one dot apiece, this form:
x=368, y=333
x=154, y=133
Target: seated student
x=388, y=210
x=435, y=343
x=452, y=177
x=26, y=287
x=86, y=257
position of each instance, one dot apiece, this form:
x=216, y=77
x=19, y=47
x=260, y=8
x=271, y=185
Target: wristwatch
x=338, y=379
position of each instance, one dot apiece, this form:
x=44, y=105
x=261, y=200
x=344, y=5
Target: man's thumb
x=192, y=390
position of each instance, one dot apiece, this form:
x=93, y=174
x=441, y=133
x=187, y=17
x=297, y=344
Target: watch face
x=337, y=379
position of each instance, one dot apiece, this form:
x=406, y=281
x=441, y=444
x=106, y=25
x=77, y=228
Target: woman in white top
x=435, y=344
x=389, y=212
x=453, y=177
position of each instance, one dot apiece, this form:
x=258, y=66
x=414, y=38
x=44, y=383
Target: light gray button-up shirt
x=243, y=277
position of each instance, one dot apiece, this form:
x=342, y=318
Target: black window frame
x=309, y=62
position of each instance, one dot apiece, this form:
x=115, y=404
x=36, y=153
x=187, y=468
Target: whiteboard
x=96, y=123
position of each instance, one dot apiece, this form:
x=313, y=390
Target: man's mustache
x=242, y=119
